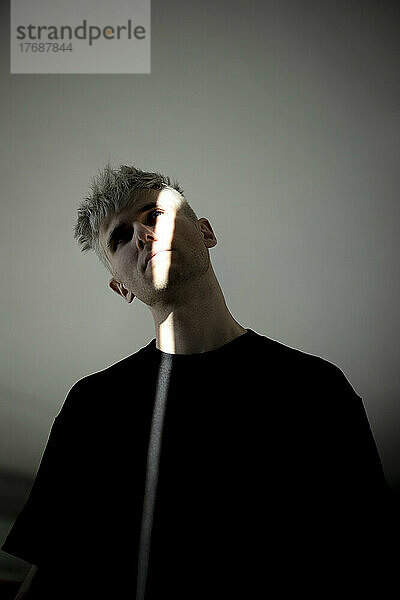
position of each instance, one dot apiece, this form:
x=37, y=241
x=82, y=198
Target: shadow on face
x=157, y=248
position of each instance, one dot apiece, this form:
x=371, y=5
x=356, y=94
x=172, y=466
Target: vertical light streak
x=153, y=462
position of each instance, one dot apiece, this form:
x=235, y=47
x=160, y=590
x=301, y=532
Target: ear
x=121, y=290
x=209, y=237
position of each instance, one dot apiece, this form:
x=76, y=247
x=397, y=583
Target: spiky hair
x=113, y=190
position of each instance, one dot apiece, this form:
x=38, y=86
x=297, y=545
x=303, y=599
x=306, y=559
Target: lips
x=152, y=254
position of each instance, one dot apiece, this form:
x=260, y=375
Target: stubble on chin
x=180, y=281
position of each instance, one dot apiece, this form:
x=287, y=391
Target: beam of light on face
x=164, y=231
x=161, y=263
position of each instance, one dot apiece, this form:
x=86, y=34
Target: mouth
x=150, y=258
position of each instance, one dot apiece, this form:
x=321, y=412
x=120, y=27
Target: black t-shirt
x=269, y=474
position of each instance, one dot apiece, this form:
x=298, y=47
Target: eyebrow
x=120, y=226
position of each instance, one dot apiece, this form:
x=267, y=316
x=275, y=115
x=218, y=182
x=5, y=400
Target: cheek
x=127, y=263
x=165, y=230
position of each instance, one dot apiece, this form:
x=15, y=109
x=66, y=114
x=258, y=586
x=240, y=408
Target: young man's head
x=131, y=216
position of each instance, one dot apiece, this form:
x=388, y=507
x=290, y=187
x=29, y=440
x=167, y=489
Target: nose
x=143, y=234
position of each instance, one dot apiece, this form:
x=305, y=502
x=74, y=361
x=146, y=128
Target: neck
x=198, y=322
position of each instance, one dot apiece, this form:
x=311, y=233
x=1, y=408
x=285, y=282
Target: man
x=214, y=462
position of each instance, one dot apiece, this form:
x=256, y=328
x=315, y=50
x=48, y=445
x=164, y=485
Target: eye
x=126, y=234
x=153, y=215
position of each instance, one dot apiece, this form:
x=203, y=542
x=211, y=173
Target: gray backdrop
x=281, y=122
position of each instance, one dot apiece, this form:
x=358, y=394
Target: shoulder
x=297, y=366
x=103, y=388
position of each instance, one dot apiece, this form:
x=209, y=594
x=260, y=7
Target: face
x=155, y=249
